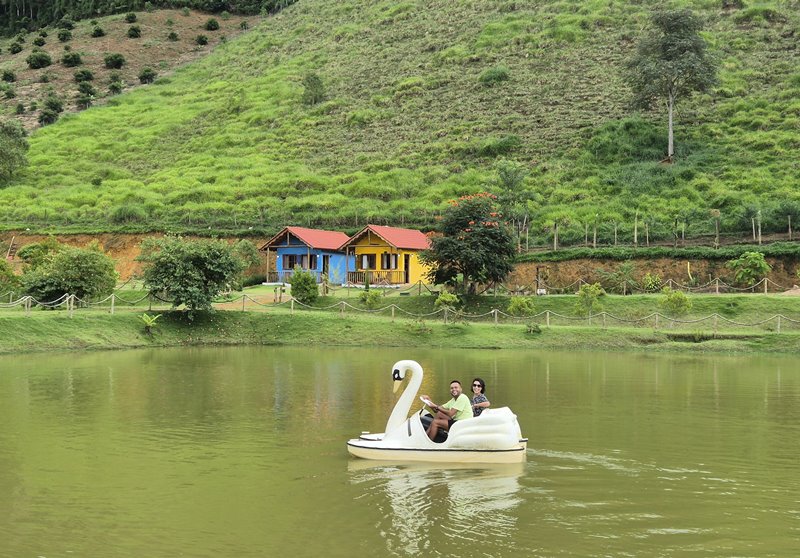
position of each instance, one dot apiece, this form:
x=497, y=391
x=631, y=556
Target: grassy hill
x=409, y=121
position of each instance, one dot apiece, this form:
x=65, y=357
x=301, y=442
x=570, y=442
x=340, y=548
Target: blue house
x=309, y=249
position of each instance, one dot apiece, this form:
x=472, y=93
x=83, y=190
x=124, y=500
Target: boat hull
x=372, y=449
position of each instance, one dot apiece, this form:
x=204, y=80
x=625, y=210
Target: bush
x=53, y=103
x=147, y=75
x=38, y=59
x=19, y=109
x=83, y=75
x=84, y=101
x=521, y=306
x=43, y=34
x=493, y=76
x=134, y=32
x=304, y=286
x=114, y=61
x=313, y=89
x=211, y=25
x=8, y=91
x=39, y=41
x=244, y=26
x=84, y=272
x=225, y=15
x=129, y=213
x=64, y=35
x=86, y=88
x=130, y=17
x=371, y=299
x=185, y=11
x=115, y=87
x=47, y=116
x=14, y=48
x=8, y=281
x=201, y=40
x=749, y=268
x=173, y=36
x=9, y=76
x=675, y=303
x=66, y=24
x=98, y=32
x=651, y=283
x=71, y=59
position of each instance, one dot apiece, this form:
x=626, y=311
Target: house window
x=312, y=262
x=388, y=261
x=368, y=261
x=290, y=261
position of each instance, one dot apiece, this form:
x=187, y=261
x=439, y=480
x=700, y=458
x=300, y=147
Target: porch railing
x=376, y=277
x=285, y=276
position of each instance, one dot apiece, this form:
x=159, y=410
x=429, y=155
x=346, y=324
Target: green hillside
x=408, y=123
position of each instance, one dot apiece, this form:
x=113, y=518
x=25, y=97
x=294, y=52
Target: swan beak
x=395, y=386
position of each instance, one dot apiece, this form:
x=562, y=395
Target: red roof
x=313, y=238
x=399, y=238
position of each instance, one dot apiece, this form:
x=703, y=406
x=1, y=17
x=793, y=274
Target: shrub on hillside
x=98, y=32
x=134, y=32
x=19, y=109
x=66, y=23
x=313, y=89
x=71, y=59
x=47, y=116
x=675, y=303
x=749, y=268
x=83, y=75
x=589, y=299
x=128, y=213
x=64, y=35
x=86, y=88
x=173, y=36
x=244, y=26
x=371, y=299
x=53, y=103
x=211, y=25
x=39, y=41
x=43, y=34
x=493, y=76
x=147, y=75
x=14, y=48
x=8, y=281
x=114, y=61
x=304, y=286
x=521, y=306
x=130, y=17
x=201, y=40
x=8, y=91
x=38, y=59
x=9, y=76
x=115, y=87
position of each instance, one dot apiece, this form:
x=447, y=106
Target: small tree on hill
x=13, y=147
x=674, y=303
x=189, y=272
x=475, y=247
x=589, y=299
x=670, y=62
x=313, y=89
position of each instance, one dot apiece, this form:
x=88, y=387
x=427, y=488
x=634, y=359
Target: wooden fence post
x=716, y=286
x=445, y=314
x=604, y=320
x=341, y=308
x=715, y=324
x=494, y=311
x=766, y=284
x=392, y=312
x=27, y=305
x=292, y=303
x=779, y=323
x=70, y=304
x=112, y=304
x=547, y=317
x=243, y=296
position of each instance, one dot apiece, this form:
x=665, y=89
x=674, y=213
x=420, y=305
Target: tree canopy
x=83, y=272
x=189, y=272
x=476, y=246
x=671, y=61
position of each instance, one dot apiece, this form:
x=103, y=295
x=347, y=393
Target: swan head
x=399, y=371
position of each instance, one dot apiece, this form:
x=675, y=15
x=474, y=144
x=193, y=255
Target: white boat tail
x=492, y=437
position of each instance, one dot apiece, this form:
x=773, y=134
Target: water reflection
x=419, y=504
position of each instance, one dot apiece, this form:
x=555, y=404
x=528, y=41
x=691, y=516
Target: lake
x=240, y=452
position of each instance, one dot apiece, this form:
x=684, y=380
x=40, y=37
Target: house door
x=326, y=264
x=406, y=265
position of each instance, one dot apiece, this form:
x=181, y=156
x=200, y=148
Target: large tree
x=13, y=147
x=670, y=62
x=87, y=273
x=189, y=272
x=476, y=246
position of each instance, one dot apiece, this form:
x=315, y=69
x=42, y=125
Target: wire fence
x=715, y=286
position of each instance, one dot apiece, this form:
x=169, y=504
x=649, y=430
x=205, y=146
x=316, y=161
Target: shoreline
x=56, y=331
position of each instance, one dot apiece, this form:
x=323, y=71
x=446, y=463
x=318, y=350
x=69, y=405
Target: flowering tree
x=475, y=247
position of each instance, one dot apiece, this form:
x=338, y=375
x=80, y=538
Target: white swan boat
x=492, y=437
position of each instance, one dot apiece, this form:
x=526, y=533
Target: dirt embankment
x=683, y=272
x=123, y=248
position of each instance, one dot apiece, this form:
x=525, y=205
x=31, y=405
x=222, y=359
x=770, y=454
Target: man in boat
x=458, y=408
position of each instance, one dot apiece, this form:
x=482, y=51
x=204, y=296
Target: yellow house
x=389, y=255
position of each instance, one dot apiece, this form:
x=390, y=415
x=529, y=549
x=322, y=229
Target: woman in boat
x=479, y=400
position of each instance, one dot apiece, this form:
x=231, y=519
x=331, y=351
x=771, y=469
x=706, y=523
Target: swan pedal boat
x=492, y=437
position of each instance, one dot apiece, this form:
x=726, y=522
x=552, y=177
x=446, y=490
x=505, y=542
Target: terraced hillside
x=421, y=99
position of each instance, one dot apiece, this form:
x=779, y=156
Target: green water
x=240, y=452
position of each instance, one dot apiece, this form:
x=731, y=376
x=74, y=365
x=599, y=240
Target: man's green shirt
x=463, y=406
